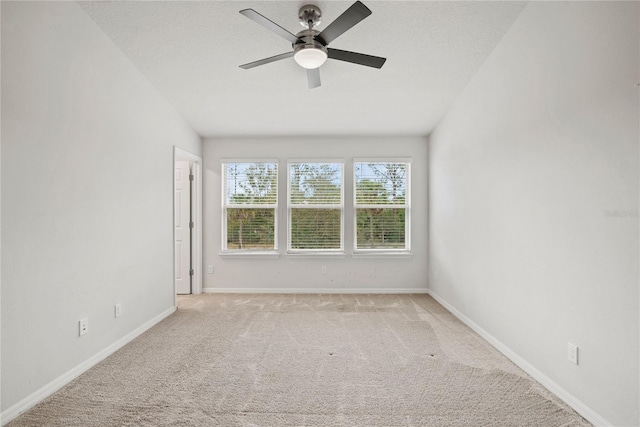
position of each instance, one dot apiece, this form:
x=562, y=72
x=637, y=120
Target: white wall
x=303, y=273
x=87, y=197
x=525, y=170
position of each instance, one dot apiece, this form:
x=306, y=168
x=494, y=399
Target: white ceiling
x=191, y=51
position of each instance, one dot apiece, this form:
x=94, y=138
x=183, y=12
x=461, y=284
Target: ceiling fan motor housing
x=307, y=40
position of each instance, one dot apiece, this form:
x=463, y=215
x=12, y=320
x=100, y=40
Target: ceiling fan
x=311, y=47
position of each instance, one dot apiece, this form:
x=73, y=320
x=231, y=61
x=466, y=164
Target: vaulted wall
x=534, y=201
x=87, y=199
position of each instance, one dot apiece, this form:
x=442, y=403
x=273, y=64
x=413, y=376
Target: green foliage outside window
x=250, y=229
x=315, y=228
x=380, y=228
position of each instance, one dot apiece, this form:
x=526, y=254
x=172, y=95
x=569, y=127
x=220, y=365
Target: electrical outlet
x=117, y=310
x=83, y=325
x=210, y=269
x=323, y=269
x=572, y=353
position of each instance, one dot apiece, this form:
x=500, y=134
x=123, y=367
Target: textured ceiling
x=191, y=51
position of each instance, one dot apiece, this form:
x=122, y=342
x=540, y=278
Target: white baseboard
x=55, y=385
x=592, y=416
x=314, y=291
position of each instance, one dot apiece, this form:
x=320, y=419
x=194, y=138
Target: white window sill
x=382, y=254
x=316, y=254
x=250, y=254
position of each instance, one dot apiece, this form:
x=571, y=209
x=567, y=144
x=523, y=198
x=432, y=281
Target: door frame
x=196, y=214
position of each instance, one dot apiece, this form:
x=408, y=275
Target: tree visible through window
x=381, y=205
x=315, y=206
x=250, y=205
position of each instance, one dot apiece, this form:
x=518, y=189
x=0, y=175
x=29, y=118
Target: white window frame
x=340, y=206
x=226, y=206
x=406, y=206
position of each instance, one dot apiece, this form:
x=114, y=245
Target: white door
x=183, y=230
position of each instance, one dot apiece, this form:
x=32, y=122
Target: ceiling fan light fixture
x=310, y=57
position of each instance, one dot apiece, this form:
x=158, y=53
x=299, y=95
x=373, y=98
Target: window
x=315, y=207
x=382, y=205
x=250, y=203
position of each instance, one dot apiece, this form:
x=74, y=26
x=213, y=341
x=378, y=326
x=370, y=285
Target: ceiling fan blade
x=356, y=58
x=269, y=24
x=313, y=77
x=267, y=60
x=356, y=13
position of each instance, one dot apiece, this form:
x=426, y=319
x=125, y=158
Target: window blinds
x=250, y=204
x=381, y=204
x=315, y=206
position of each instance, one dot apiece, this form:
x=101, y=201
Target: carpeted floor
x=305, y=360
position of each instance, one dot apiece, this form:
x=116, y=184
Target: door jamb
x=196, y=211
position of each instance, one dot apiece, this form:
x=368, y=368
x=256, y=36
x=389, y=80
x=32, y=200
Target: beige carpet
x=305, y=360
